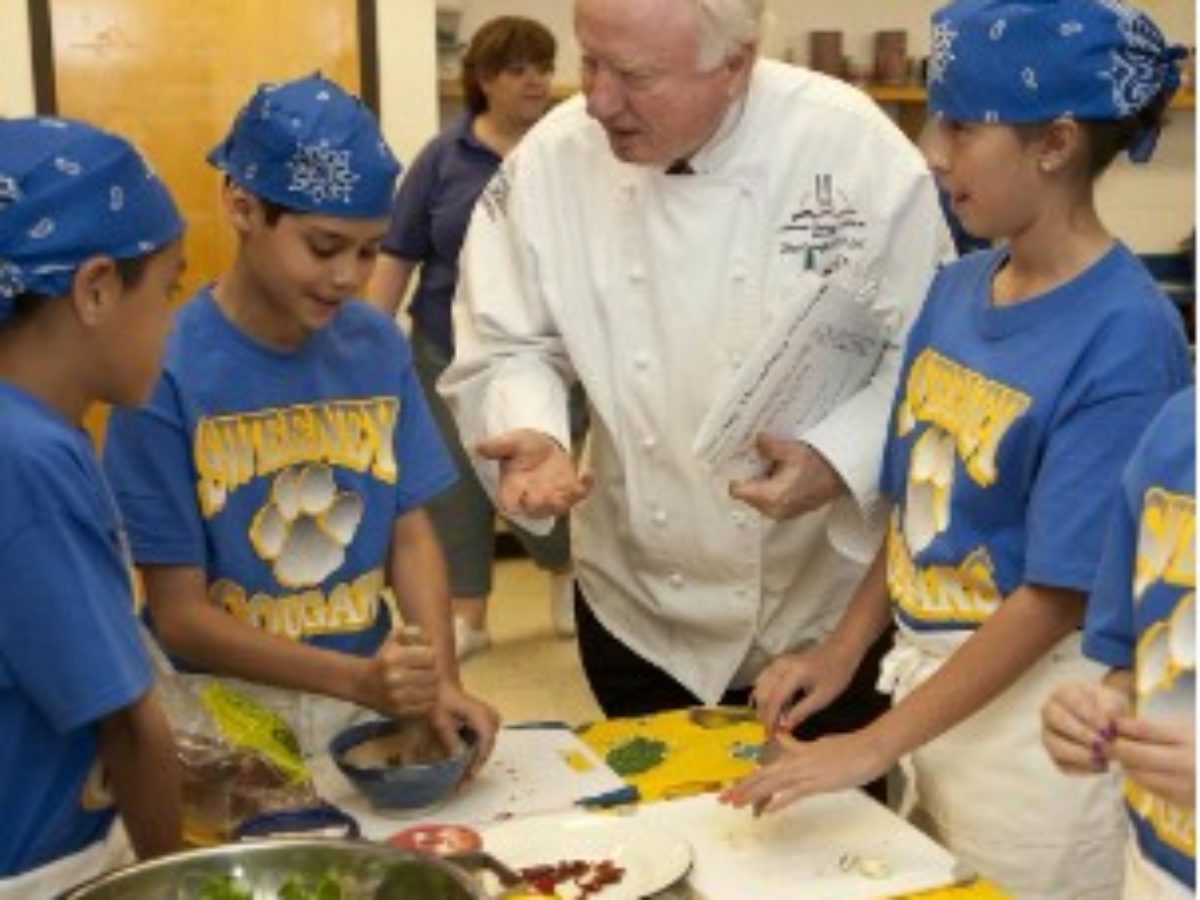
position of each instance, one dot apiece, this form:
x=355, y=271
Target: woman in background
x=506, y=77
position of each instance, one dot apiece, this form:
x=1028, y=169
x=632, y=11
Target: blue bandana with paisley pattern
x=310, y=147
x=70, y=192
x=1039, y=60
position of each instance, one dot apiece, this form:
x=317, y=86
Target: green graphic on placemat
x=636, y=756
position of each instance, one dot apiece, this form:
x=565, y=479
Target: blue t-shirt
x=1141, y=615
x=1010, y=429
x=281, y=473
x=70, y=652
x=430, y=218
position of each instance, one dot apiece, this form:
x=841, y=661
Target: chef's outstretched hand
x=538, y=477
x=797, y=480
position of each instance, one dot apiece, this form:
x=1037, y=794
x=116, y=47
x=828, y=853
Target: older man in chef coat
x=643, y=239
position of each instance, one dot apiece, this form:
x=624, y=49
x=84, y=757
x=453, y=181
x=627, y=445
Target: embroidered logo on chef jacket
x=307, y=523
x=1164, y=593
x=826, y=230
x=960, y=415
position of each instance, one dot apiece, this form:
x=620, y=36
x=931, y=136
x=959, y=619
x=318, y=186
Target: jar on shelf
x=891, y=57
x=825, y=53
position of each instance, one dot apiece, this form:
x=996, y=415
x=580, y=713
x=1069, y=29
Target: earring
x=1045, y=165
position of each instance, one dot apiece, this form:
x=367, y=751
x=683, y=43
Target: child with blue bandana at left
x=274, y=484
x=1028, y=377
x=90, y=252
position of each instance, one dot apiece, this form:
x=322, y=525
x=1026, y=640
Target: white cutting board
x=796, y=852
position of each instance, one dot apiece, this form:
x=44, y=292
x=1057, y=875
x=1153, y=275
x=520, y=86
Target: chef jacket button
x=735, y=359
x=660, y=517
x=641, y=360
x=676, y=580
x=637, y=273
x=740, y=519
x=649, y=442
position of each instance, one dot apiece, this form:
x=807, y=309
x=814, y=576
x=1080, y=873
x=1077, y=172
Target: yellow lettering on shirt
x=963, y=594
x=1174, y=825
x=348, y=608
x=230, y=451
x=976, y=411
x=1166, y=541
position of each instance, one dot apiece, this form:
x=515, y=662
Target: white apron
x=988, y=790
x=56, y=877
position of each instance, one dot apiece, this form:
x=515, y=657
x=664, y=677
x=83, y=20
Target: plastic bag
x=238, y=758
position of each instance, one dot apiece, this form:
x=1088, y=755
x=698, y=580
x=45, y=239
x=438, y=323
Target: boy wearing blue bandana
x=90, y=251
x=273, y=486
x=1141, y=624
x=1027, y=379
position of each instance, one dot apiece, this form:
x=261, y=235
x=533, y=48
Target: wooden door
x=171, y=74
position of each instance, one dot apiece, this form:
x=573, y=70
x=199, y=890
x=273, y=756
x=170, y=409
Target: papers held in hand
x=826, y=347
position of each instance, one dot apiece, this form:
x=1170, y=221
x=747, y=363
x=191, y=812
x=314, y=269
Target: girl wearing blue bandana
x=1027, y=379
x=1141, y=624
x=273, y=486
x=90, y=251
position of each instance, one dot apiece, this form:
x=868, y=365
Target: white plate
x=653, y=858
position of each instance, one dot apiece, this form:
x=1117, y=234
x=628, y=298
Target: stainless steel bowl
x=262, y=868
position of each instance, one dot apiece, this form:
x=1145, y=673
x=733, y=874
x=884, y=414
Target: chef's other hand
x=537, y=476
x=798, y=480
x=457, y=708
x=401, y=679
x=798, y=684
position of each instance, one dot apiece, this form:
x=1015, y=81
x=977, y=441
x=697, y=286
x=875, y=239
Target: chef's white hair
x=725, y=27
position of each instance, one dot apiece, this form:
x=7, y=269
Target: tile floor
x=528, y=673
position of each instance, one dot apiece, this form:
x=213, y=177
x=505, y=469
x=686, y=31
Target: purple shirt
x=430, y=217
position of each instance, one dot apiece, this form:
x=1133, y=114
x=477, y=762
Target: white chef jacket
x=651, y=289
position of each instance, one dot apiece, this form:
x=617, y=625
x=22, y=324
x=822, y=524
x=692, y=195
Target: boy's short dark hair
x=272, y=211
x=500, y=42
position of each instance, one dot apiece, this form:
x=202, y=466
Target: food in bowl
x=400, y=765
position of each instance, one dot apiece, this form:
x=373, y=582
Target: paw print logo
x=1166, y=670
x=930, y=484
x=304, y=528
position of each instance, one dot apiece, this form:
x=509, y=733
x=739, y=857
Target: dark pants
x=627, y=685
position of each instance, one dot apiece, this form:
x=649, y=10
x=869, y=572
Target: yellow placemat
x=692, y=751
x=679, y=753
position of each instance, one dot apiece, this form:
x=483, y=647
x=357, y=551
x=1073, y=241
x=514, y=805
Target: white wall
x=407, y=74
x=16, y=74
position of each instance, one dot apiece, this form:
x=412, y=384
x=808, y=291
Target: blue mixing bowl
x=360, y=752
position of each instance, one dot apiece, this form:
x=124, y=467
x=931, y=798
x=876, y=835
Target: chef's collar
x=709, y=157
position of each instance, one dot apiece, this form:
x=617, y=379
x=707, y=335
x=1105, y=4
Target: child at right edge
x=1027, y=379
x=1141, y=624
